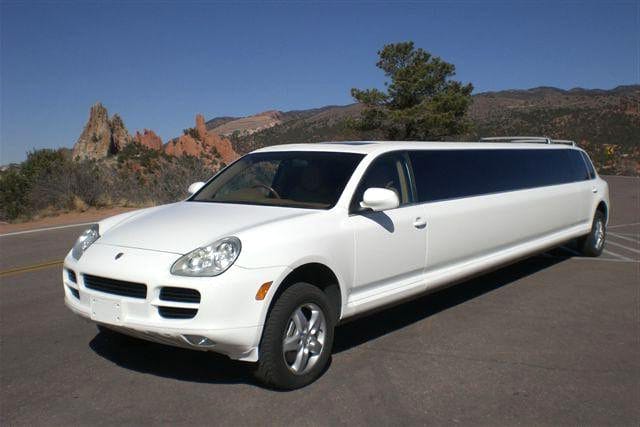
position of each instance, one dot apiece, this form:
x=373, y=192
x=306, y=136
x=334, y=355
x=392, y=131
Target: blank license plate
x=106, y=310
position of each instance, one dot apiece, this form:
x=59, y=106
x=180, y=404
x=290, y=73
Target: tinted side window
x=444, y=174
x=387, y=171
x=449, y=174
x=554, y=167
x=579, y=168
x=587, y=161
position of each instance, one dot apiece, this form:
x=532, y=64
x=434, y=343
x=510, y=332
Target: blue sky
x=160, y=63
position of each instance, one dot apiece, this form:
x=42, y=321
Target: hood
x=181, y=227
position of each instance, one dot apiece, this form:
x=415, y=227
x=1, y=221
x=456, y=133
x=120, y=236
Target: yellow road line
x=29, y=268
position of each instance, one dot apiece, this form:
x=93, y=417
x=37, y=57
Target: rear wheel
x=592, y=244
x=297, y=339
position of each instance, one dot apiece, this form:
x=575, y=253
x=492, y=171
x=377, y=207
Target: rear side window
x=587, y=161
x=579, y=166
x=449, y=174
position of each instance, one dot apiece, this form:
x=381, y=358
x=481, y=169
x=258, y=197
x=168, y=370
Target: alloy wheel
x=599, y=234
x=304, y=337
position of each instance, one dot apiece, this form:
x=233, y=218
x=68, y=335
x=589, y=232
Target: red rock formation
x=225, y=149
x=101, y=136
x=95, y=140
x=184, y=145
x=149, y=139
x=204, y=144
x=200, y=127
x=119, y=135
x=222, y=145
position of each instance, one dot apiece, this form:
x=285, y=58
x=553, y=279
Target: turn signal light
x=262, y=292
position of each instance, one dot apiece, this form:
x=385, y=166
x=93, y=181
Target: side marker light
x=262, y=292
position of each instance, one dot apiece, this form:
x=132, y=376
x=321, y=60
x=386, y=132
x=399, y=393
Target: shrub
x=14, y=188
x=17, y=183
x=192, y=132
x=173, y=178
x=138, y=153
x=50, y=181
x=43, y=162
x=64, y=187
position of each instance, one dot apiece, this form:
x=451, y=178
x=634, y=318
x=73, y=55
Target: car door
x=390, y=246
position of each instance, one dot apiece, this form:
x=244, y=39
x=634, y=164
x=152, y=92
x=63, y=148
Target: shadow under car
x=206, y=367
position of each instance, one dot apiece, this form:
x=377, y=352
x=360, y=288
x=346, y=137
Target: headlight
x=85, y=240
x=209, y=260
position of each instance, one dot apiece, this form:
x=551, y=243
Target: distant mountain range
x=605, y=122
x=584, y=115
x=298, y=126
x=600, y=116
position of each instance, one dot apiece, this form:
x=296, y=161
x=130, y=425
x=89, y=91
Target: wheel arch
x=317, y=274
x=602, y=207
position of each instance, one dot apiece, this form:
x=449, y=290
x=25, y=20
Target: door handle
x=594, y=190
x=419, y=223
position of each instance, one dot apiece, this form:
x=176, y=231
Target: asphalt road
x=551, y=340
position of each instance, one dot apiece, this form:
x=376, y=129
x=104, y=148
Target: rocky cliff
x=119, y=135
x=101, y=136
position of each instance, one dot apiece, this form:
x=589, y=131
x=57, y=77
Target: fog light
x=198, y=340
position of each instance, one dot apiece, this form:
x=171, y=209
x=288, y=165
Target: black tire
x=272, y=368
x=590, y=245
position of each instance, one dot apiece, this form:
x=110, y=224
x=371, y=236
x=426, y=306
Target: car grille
x=116, y=287
x=179, y=295
x=177, y=312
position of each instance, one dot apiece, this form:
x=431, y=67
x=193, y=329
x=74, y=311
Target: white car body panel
x=178, y=227
x=389, y=250
x=377, y=258
x=463, y=229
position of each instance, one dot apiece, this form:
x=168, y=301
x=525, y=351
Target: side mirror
x=379, y=199
x=195, y=187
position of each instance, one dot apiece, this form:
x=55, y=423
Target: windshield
x=302, y=179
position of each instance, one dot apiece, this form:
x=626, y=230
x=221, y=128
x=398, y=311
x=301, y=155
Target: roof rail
x=528, y=139
x=349, y=142
x=563, y=141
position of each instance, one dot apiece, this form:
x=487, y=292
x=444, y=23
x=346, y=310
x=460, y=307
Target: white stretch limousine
x=262, y=261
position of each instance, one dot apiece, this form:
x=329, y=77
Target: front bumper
x=228, y=314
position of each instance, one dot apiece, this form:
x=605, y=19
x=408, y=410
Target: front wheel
x=297, y=339
x=592, y=244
